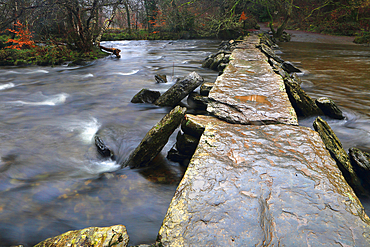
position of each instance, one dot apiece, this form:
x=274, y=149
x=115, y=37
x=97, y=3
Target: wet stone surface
x=249, y=91
x=249, y=185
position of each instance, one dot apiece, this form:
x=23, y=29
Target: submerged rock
x=329, y=108
x=336, y=150
x=156, y=138
x=301, y=101
x=289, y=67
x=146, y=96
x=180, y=90
x=160, y=78
x=92, y=236
x=103, y=149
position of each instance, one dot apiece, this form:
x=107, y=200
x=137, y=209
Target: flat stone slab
x=249, y=91
x=269, y=185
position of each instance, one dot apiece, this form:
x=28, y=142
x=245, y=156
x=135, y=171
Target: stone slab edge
x=233, y=195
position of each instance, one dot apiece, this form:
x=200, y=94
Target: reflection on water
x=342, y=73
x=51, y=178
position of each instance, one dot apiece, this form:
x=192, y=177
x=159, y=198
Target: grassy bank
x=46, y=56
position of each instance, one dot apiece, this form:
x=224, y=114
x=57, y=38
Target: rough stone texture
x=301, y=101
x=174, y=155
x=329, y=108
x=249, y=91
x=205, y=88
x=336, y=150
x=146, y=96
x=180, y=90
x=156, y=138
x=194, y=125
x=272, y=185
x=198, y=101
x=93, y=236
x=186, y=144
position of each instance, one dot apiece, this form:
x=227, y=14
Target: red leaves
x=24, y=37
x=243, y=17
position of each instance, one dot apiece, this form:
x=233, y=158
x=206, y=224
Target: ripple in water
x=128, y=73
x=49, y=101
x=6, y=86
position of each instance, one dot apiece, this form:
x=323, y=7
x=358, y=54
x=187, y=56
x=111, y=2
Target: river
x=335, y=67
x=51, y=178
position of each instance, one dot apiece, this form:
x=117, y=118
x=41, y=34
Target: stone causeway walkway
x=257, y=178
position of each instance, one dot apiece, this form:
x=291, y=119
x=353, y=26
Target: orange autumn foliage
x=243, y=17
x=23, y=37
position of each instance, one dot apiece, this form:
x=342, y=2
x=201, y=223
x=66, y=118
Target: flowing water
x=51, y=178
x=335, y=68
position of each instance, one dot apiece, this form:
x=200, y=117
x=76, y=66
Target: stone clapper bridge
x=257, y=178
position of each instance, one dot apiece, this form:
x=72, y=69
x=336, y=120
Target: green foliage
x=46, y=55
x=362, y=37
x=3, y=41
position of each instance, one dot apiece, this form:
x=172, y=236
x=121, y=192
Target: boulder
x=329, y=108
x=160, y=78
x=301, y=101
x=216, y=61
x=269, y=53
x=103, y=149
x=296, y=78
x=92, y=236
x=156, y=138
x=186, y=144
x=208, y=61
x=361, y=164
x=205, y=88
x=176, y=156
x=266, y=39
x=285, y=37
x=336, y=150
x=146, y=96
x=200, y=102
x=193, y=126
x=276, y=67
x=180, y=90
x=289, y=67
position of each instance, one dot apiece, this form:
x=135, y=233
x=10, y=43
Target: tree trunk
x=106, y=24
x=128, y=16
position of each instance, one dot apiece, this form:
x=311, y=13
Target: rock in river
x=268, y=185
x=92, y=236
x=361, y=164
x=156, y=138
x=146, y=96
x=336, y=150
x=329, y=108
x=180, y=90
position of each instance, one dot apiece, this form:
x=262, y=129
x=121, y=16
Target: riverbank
x=48, y=55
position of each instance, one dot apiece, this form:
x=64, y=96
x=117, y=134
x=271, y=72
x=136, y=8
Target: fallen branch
x=113, y=50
